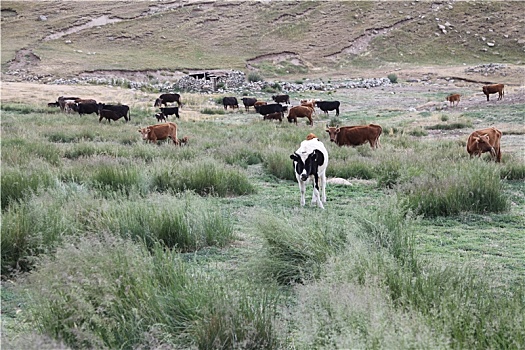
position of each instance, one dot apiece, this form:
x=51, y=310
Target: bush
x=213, y=110
x=393, y=78
x=279, y=164
x=18, y=184
x=254, y=77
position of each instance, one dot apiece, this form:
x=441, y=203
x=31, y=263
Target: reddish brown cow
x=153, y=133
x=300, y=112
x=492, y=89
x=485, y=140
x=453, y=98
x=260, y=103
x=355, y=135
x=274, y=116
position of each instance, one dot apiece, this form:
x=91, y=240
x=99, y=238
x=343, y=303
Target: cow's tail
x=129, y=114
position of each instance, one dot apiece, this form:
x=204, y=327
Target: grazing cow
x=167, y=111
x=310, y=162
x=485, y=140
x=274, y=116
x=453, y=98
x=281, y=99
x=160, y=117
x=154, y=133
x=121, y=110
x=63, y=100
x=165, y=98
x=300, y=112
x=259, y=103
x=70, y=106
x=326, y=106
x=492, y=89
x=111, y=115
x=248, y=102
x=355, y=135
x=86, y=108
x=230, y=101
x=53, y=104
x=271, y=108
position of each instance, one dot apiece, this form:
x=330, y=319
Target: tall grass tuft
x=205, y=177
x=33, y=227
x=185, y=222
x=295, y=249
x=473, y=186
x=17, y=184
x=113, y=293
x=279, y=164
x=118, y=177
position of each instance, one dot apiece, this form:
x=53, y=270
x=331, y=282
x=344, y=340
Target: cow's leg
x=302, y=188
x=323, y=187
x=316, y=198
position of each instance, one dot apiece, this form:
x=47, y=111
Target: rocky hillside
x=49, y=40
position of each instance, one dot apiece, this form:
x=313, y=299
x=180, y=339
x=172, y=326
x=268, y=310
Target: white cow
x=310, y=162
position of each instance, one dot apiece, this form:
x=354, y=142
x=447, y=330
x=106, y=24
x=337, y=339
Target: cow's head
x=333, y=132
x=306, y=164
x=145, y=132
x=484, y=145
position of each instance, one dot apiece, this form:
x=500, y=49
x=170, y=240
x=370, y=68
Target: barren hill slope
x=277, y=38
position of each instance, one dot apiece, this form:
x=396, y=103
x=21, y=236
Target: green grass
x=206, y=246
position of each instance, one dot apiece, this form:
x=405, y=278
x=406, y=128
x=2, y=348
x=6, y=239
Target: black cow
x=248, y=101
x=167, y=111
x=121, y=110
x=230, y=101
x=165, y=98
x=111, y=115
x=160, y=117
x=326, y=106
x=271, y=108
x=85, y=108
x=281, y=98
x=53, y=104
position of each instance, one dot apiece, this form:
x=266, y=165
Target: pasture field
x=110, y=242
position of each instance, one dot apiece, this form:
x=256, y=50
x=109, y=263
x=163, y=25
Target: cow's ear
x=295, y=157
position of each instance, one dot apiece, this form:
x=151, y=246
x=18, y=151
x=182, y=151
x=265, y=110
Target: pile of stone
x=486, y=69
x=229, y=82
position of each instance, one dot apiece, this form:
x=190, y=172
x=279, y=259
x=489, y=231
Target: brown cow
x=300, y=112
x=274, y=116
x=492, y=89
x=355, y=135
x=260, y=103
x=453, y=98
x=485, y=140
x=153, y=133
x=308, y=103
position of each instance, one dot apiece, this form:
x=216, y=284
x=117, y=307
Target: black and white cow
x=310, y=162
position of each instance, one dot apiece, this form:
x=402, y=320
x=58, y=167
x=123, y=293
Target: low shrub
x=392, y=77
x=18, y=184
x=254, y=77
x=279, y=164
x=213, y=110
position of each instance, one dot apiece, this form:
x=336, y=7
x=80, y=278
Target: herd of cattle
x=311, y=159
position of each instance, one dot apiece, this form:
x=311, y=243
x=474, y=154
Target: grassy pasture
x=205, y=246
